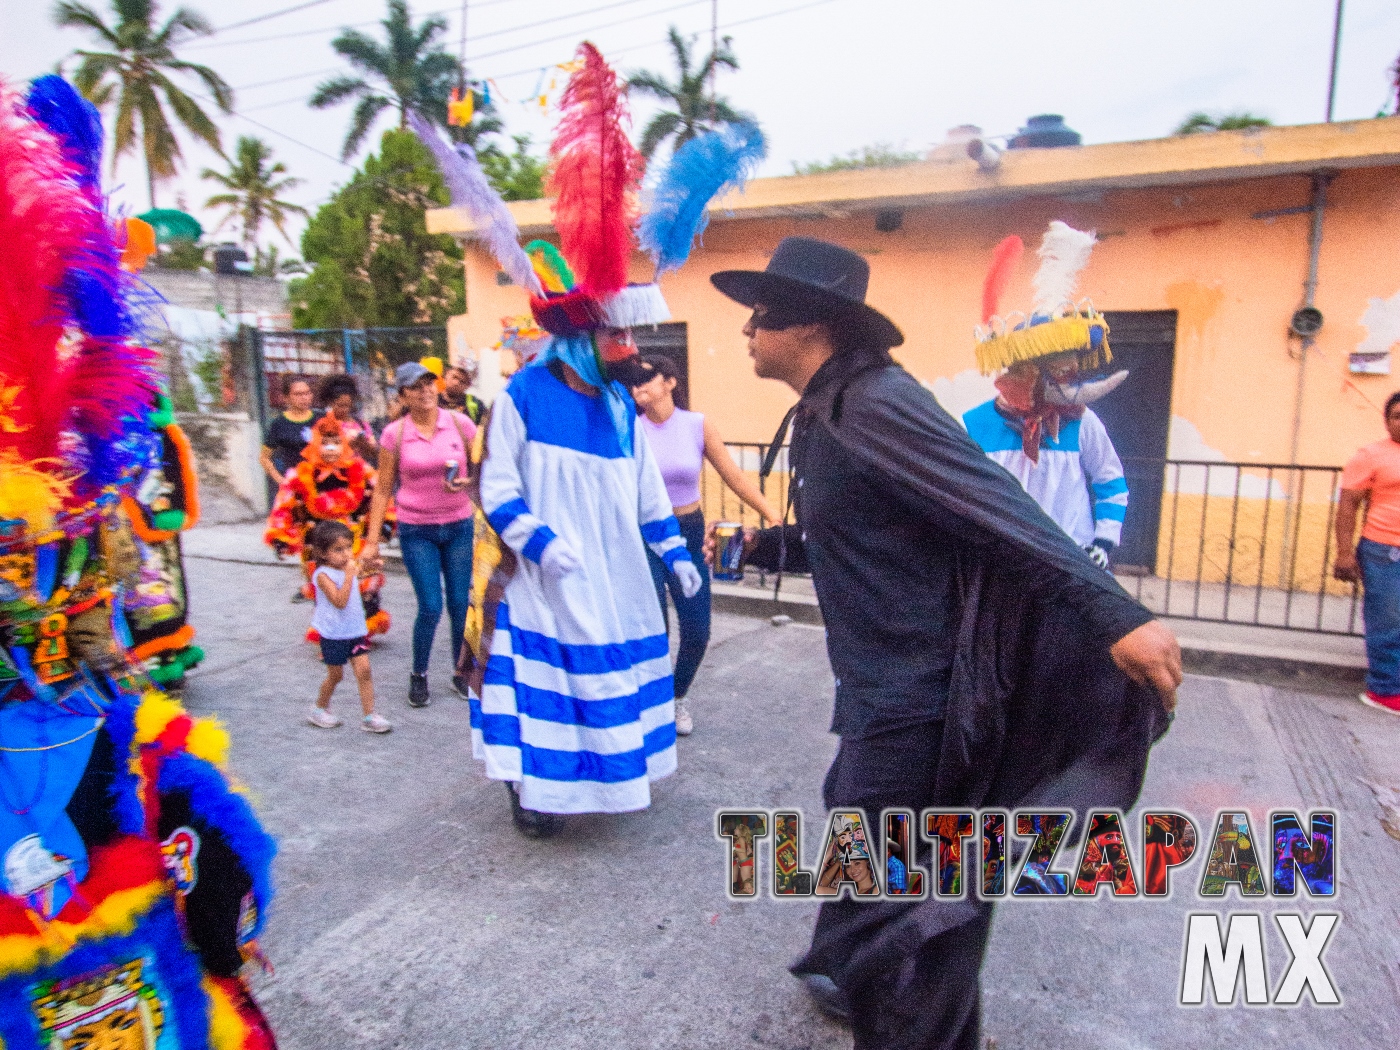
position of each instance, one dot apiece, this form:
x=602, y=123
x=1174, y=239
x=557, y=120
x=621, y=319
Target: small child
x=340, y=621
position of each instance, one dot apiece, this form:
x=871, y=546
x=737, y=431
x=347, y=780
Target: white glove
x=689, y=576
x=558, y=559
x=1097, y=555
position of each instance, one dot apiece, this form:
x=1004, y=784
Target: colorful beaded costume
x=135, y=875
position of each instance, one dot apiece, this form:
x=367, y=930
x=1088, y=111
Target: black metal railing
x=1240, y=543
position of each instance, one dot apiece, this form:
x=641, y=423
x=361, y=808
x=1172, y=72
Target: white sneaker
x=322, y=718
x=375, y=723
x=685, y=725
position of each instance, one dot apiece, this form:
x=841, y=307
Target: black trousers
x=910, y=970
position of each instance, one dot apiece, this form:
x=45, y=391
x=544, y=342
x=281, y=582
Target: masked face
x=615, y=344
x=330, y=450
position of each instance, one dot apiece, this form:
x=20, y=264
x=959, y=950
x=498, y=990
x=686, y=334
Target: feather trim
x=1064, y=251
x=1004, y=259
x=551, y=267
x=471, y=190
x=596, y=173
x=637, y=304
x=701, y=170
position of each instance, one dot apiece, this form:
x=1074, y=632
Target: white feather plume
x=1064, y=251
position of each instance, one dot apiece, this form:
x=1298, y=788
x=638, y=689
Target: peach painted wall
x=1235, y=281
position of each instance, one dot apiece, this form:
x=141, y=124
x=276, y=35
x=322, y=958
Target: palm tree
x=696, y=108
x=409, y=70
x=1199, y=123
x=134, y=70
x=252, y=186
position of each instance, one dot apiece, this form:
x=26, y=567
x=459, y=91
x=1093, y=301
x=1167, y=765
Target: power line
x=270, y=15
x=326, y=29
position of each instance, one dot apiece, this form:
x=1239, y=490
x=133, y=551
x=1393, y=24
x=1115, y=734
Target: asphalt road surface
x=411, y=914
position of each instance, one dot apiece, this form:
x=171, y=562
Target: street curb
x=1224, y=662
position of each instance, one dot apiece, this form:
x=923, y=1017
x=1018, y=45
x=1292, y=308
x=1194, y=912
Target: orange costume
x=331, y=483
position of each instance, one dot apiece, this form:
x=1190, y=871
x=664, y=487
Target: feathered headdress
x=1057, y=324
x=703, y=168
x=470, y=189
x=72, y=383
x=596, y=175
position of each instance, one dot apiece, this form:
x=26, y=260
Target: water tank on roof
x=1045, y=132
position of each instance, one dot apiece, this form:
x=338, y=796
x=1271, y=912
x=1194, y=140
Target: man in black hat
x=981, y=658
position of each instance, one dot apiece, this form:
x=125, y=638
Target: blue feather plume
x=701, y=170
x=74, y=121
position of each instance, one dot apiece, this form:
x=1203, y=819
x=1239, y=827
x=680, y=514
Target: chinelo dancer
x=331, y=483
x=1039, y=426
x=135, y=878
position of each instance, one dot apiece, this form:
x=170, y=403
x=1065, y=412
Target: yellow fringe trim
x=1060, y=336
x=116, y=916
x=157, y=711
x=226, y=1029
x=30, y=494
x=208, y=740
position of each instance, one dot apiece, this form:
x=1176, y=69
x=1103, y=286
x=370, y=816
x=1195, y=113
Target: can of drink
x=450, y=471
x=729, y=550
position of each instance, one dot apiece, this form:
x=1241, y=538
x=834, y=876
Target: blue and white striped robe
x=577, y=703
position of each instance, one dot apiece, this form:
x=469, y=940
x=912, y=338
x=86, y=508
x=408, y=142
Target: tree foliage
x=251, y=190
x=695, y=110
x=880, y=155
x=517, y=176
x=409, y=69
x=374, y=263
x=1200, y=123
x=133, y=71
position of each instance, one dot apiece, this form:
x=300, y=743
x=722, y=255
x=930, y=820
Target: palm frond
x=69, y=14
x=658, y=130
x=337, y=90
x=366, y=113
x=188, y=113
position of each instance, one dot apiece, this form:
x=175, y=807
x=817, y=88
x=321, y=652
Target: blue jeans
x=1380, y=573
x=692, y=614
x=434, y=554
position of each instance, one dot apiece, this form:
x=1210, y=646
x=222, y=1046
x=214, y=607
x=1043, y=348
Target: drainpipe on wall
x=1305, y=324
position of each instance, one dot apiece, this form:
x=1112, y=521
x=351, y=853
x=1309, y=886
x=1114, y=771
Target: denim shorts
x=336, y=652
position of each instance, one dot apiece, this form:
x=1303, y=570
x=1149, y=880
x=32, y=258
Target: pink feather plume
x=596, y=175
x=1004, y=259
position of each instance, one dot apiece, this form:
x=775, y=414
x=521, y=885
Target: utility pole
x=463, y=49
x=1336, y=52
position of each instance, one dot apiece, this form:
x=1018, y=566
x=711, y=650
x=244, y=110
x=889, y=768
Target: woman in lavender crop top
x=680, y=442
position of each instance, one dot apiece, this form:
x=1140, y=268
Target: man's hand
x=1151, y=656
x=750, y=542
x=370, y=560
x=1345, y=567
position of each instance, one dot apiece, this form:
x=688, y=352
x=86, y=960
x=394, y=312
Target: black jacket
x=894, y=504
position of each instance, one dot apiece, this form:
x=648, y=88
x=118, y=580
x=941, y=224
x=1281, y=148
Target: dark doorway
x=1138, y=416
x=673, y=341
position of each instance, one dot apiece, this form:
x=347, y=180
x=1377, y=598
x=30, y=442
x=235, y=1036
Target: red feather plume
x=1004, y=260
x=596, y=174
x=46, y=220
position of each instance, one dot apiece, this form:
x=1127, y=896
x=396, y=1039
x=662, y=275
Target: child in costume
x=1039, y=426
x=135, y=876
x=331, y=483
x=339, y=622
x=164, y=503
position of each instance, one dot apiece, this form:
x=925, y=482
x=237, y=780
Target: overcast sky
x=823, y=76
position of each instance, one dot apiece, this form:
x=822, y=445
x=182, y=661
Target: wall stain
x=1196, y=305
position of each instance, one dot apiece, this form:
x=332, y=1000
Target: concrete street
x=411, y=914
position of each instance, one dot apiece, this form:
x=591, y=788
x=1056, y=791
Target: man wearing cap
x=981, y=659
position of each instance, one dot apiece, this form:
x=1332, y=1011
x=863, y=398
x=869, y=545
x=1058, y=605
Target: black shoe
x=418, y=690
x=459, y=686
x=532, y=823
x=830, y=999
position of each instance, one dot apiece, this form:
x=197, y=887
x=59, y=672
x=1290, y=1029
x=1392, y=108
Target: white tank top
x=330, y=622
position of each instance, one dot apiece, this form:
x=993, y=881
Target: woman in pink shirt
x=425, y=452
x=1372, y=477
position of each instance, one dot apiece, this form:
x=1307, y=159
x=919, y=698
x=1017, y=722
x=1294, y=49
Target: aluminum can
x=729, y=551
x=449, y=473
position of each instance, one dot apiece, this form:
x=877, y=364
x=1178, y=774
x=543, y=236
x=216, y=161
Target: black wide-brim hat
x=817, y=271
